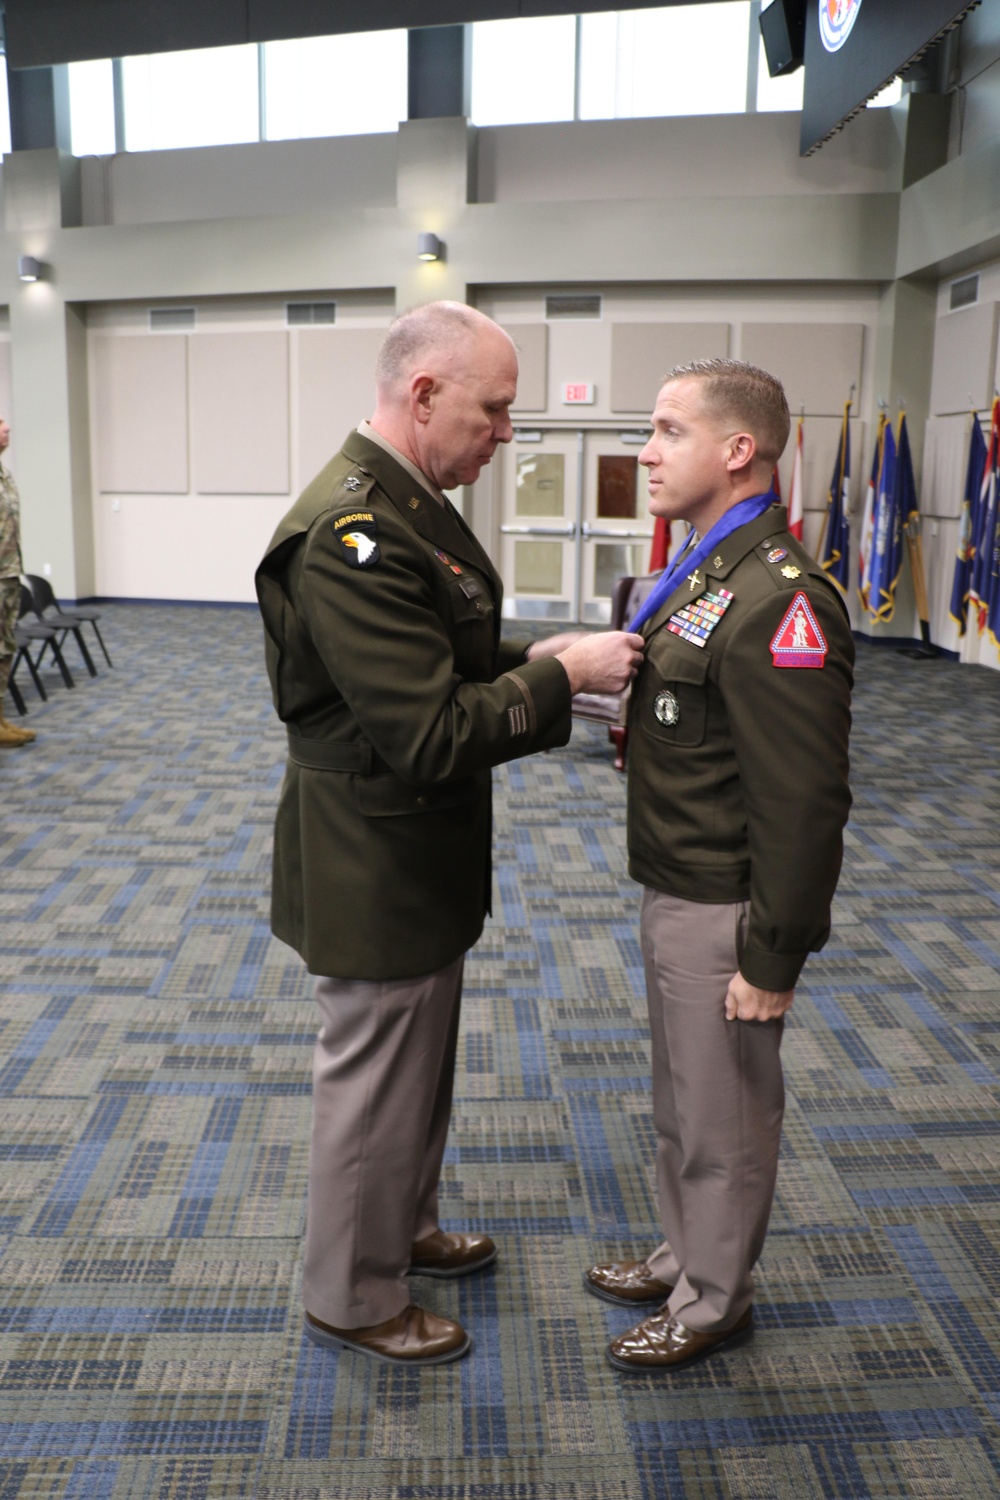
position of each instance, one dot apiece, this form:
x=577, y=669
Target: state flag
x=968, y=526
x=868, y=518
x=835, y=555
x=983, y=538
x=900, y=506
x=881, y=522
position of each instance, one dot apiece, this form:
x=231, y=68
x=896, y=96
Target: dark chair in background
x=612, y=708
x=51, y=612
x=31, y=631
x=63, y=625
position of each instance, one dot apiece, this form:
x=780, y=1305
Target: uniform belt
x=326, y=755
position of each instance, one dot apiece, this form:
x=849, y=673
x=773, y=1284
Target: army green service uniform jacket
x=738, y=770
x=382, y=632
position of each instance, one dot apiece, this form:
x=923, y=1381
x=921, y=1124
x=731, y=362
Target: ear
x=423, y=389
x=742, y=451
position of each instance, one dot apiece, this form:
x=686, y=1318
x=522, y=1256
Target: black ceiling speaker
x=783, y=27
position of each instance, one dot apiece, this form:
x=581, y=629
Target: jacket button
x=421, y=800
x=479, y=608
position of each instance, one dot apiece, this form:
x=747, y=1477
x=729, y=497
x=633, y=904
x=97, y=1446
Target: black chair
x=48, y=607
x=29, y=632
x=64, y=624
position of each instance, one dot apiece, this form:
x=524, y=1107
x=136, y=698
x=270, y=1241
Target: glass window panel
x=672, y=60
x=92, y=108
x=523, y=71
x=891, y=94
x=538, y=567
x=777, y=93
x=202, y=98
x=617, y=477
x=613, y=561
x=541, y=484
x=335, y=85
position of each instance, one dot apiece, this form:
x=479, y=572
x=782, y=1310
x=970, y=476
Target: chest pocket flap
x=672, y=707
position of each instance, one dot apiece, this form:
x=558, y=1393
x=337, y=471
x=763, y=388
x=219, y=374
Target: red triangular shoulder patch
x=799, y=642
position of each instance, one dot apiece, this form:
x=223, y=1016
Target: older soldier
x=382, y=620
x=11, y=735
x=737, y=800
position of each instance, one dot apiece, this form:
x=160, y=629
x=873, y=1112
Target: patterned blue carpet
x=155, y=1048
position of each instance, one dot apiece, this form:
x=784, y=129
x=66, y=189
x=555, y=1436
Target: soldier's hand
x=745, y=1002
x=602, y=663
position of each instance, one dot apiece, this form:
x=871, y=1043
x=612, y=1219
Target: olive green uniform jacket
x=382, y=632
x=744, y=797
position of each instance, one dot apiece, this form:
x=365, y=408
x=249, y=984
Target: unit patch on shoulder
x=357, y=533
x=799, y=642
x=695, y=622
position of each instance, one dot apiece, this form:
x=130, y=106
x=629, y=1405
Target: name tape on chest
x=357, y=534
x=695, y=622
x=799, y=642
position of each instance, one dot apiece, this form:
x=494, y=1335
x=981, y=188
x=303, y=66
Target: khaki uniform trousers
x=718, y=1100
x=383, y=1073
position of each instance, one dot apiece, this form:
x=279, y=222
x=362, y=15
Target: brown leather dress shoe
x=446, y=1254
x=626, y=1282
x=412, y=1337
x=661, y=1343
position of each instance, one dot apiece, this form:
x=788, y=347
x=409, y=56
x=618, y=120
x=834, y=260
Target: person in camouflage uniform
x=11, y=735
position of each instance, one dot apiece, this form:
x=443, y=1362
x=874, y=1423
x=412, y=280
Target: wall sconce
x=429, y=247
x=28, y=268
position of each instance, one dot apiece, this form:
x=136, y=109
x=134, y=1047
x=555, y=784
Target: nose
x=646, y=457
x=503, y=429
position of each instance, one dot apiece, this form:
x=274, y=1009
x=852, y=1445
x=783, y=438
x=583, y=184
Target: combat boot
x=11, y=735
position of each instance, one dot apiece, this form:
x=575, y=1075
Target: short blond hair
x=748, y=397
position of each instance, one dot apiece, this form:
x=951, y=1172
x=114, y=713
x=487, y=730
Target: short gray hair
x=742, y=393
x=416, y=333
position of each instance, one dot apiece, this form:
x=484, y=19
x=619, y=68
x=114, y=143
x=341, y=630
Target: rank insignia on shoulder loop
x=790, y=572
x=357, y=533
x=667, y=709
x=717, y=563
x=799, y=641
x=695, y=622
x=352, y=482
x=777, y=554
x=414, y=504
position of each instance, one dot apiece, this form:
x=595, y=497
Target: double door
x=574, y=518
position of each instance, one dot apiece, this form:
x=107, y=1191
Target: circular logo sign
x=666, y=708
x=836, y=21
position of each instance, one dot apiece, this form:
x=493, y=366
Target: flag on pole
x=968, y=526
x=836, y=550
x=893, y=516
x=660, y=550
x=795, y=490
x=868, y=519
x=878, y=593
x=984, y=534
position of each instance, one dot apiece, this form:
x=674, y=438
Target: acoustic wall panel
x=817, y=363
x=239, y=414
x=532, y=343
x=946, y=454
x=965, y=353
x=642, y=353
x=140, y=413
x=335, y=374
x=820, y=446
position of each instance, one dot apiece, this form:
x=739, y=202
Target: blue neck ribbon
x=689, y=560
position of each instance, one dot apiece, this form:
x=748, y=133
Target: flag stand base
x=926, y=650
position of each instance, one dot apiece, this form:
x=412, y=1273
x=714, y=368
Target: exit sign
x=578, y=393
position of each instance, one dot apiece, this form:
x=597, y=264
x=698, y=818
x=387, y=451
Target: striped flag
x=881, y=522
x=984, y=536
x=795, y=490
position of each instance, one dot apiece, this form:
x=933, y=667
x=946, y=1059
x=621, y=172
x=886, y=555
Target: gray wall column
x=39, y=108
x=440, y=70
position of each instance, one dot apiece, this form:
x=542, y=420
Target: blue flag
x=968, y=527
x=836, y=558
x=984, y=534
x=868, y=518
x=882, y=579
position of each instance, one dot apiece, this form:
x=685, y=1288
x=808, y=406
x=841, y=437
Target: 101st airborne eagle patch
x=358, y=537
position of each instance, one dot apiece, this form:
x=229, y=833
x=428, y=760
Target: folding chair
x=81, y=614
x=66, y=624
x=28, y=632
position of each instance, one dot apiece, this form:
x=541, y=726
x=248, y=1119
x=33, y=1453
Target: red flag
x=661, y=545
x=795, y=492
